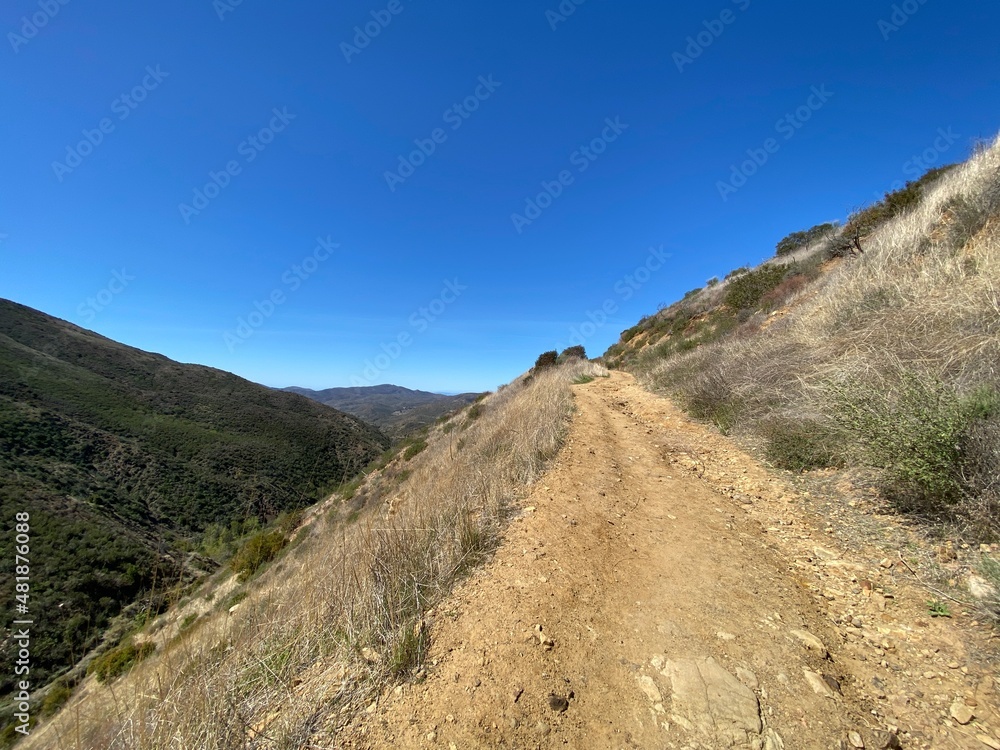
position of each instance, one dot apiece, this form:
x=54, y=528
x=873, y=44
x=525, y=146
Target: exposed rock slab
x=711, y=702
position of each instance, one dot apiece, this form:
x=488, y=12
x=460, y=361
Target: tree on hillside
x=574, y=351
x=546, y=359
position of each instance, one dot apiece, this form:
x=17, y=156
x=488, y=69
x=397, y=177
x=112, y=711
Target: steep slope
x=314, y=635
x=873, y=348
x=395, y=410
x=122, y=458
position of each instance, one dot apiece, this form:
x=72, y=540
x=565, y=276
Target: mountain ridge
x=124, y=458
x=394, y=409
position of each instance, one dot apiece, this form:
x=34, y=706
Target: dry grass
x=920, y=305
x=341, y=615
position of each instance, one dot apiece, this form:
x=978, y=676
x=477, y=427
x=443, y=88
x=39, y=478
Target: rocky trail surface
x=661, y=589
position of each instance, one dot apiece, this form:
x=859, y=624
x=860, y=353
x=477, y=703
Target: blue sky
x=259, y=187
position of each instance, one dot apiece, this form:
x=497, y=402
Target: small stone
x=818, y=684
x=512, y=723
x=855, y=740
x=811, y=642
x=542, y=729
x=432, y=736
x=988, y=741
x=953, y=665
x=557, y=703
x=885, y=563
x=886, y=741
x=961, y=712
x=833, y=683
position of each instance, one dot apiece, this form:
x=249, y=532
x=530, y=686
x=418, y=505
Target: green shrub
x=257, y=551
x=737, y=272
x=546, y=359
x=119, y=660
x=914, y=433
x=746, y=291
x=414, y=448
x=798, y=240
x=189, y=620
x=630, y=333
x=57, y=696
x=799, y=445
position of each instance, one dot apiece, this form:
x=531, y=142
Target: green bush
x=914, y=433
x=746, y=291
x=119, y=660
x=798, y=240
x=577, y=352
x=546, y=359
x=257, y=551
x=414, y=448
x=800, y=445
x=57, y=696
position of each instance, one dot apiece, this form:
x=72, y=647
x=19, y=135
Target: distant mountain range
x=123, y=458
x=395, y=410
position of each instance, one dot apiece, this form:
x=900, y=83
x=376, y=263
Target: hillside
x=870, y=347
x=395, y=410
x=123, y=459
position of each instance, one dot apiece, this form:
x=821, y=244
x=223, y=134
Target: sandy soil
x=661, y=589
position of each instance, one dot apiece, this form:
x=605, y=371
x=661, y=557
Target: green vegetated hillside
x=124, y=458
x=874, y=344
x=395, y=410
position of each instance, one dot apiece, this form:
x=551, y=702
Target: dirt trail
x=672, y=617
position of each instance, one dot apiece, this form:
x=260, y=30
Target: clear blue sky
x=201, y=80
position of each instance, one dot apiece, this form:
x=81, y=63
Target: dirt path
x=676, y=612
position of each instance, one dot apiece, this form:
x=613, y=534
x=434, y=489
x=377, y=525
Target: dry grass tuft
x=342, y=614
